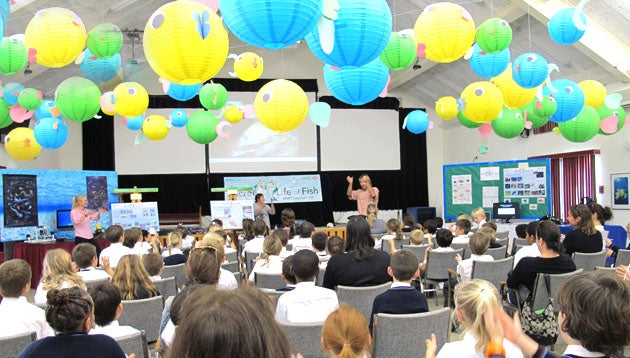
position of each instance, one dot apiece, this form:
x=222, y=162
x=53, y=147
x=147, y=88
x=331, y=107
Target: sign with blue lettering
x=278, y=189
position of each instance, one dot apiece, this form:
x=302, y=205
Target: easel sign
x=143, y=215
x=232, y=212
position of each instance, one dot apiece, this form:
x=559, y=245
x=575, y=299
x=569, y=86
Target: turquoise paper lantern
x=178, y=117
x=562, y=29
x=400, y=52
x=489, y=65
x=11, y=92
x=530, y=70
x=494, y=35
x=44, y=110
x=183, y=92
x=51, y=133
x=569, y=98
x=417, y=122
x=134, y=123
x=5, y=11
x=581, y=128
x=509, y=124
x=357, y=86
x=362, y=31
x=271, y=24
x=98, y=69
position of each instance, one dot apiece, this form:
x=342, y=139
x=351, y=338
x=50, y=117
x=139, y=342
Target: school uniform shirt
x=306, y=303
x=273, y=266
x=113, y=329
x=90, y=274
x=175, y=257
x=526, y=251
x=466, y=349
x=19, y=316
x=114, y=252
x=303, y=243
x=227, y=281
x=142, y=248
x=464, y=267
x=401, y=298
x=40, y=293
x=254, y=245
x=461, y=239
x=74, y=345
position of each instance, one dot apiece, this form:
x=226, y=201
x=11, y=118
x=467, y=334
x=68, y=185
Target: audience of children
x=304, y=240
x=531, y=249
x=57, y=273
x=85, y=260
x=319, y=240
x=461, y=229
x=444, y=238
x=173, y=255
x=346, y=334
x=377, y=226
x=116, y=235
x=107, y=309
x=269, y=261
x=132, y=279
x=255, y=244
x=154, y=265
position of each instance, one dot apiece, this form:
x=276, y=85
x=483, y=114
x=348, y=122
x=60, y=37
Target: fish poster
x=97, y=192
x=20, y=200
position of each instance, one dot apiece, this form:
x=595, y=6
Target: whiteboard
x=142, y=215
x=232, y=212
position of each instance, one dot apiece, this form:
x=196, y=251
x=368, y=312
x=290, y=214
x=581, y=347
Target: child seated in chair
x=84, y=257
x=287, y=275
x=154, y=265
x=107, y=309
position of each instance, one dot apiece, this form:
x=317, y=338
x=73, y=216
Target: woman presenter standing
x=81, y=218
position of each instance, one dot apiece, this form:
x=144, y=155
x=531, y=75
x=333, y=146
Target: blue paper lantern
x=359, y=85
x=134, y=123
x=5, y=11
x=362, y=31
x=489, y=65
x=179, y=118
x=562, y=29
x=45, y=108
x=530, y=70
x=51, y=133
x=12, y=91
x=270, y=24
x=183, y=92
x=569, y=98
x=417, y=122
x=97, y=69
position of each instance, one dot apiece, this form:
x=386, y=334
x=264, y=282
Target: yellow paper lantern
x=20, y=143
x=446, y=107
x=483, y=101
x=155, y=127
x=514, y=96
x=57, y=35
x=185, y=42
x=130, y=99
x=445, y=31
x=281, y=105
x=248, y=66
x=594, y=93
x=233, y=114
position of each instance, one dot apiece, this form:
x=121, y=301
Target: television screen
x=506, y=211
x=63, y=220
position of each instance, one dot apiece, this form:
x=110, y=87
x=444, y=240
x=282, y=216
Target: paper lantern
x=400, y=52
x=569, y=98
x=509, y=124
x=213, y=96
x=5, y=114
x=233, y=114
x=107, y=103
x=467, y=122
x=529, y=70
x=57, y=35
x=617, y=114
x=155, y=127
x=183, y=92
x=5, y=11
x=483, y=101
x=98, y=69
x=134, y=123
x=562, y=28
x=445, y=31
x=281, y=105
x=594, y=93
x=546, y=107
x=20, y=143
x=581, y=128
x=488, y=65
x=77, y=99
x=494, y=35
x=359, y=85
x=11, y=92
x=248, y=66
x=446, y=107
x=202, y=127
x=185, y=42
x=416, y=122
x=51, y=133
x=130, y=99
x=270, y=24
x=514, y=96
x=361, y=33
x=30, y=99
x=13, y=56
x=105, y=40
x=45, y=110
x=178, y=118
x=531, y=114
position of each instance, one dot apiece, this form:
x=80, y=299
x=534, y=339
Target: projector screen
x=361, y=139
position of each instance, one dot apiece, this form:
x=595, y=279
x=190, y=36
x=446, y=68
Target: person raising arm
x=365, y=195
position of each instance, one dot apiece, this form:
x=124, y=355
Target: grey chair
x=134, y=343
x=320, y=278
x=231, y=257
x=250, y=259
x=177, y=271
x=289, y=247
x=623, y=257
x=361, y=298
x=502, y=235
x=497, y=253
x=144, y=315
x=230, y=266
x=540, y=291
x=438, y=264
x=396, y=335
x=588, y=261
x=504, y=241
x=419, y=250
x=167, y=287
x=517, y=244
x=405, y=241
x=306, y=338
x=466, y=253
x=492, y=271
x=93, y=283
x=12, y=346
x=268, y=280
x=385, y=246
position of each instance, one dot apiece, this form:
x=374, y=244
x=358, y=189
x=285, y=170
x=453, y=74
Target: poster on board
x=20, y=200
x=142, y=215
x=232, y=212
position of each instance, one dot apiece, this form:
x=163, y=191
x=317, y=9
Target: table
x=34, y=254
x=332, y=231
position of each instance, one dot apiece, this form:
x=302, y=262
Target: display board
x=232, y=212
x=472, y=185
x=142, y=215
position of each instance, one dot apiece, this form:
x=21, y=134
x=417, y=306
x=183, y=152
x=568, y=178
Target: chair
x=588, y=261
x=438, y=264
x=12, y=346
x=492, y=271
x=93, y=283
x=623, y=257
x=230, y=266
x=504, y=241
x=250, y=258
x=268, y=280
x=167, y=287
x=134, y=343
x=502, y=235
x=517, y=244
x=397, y=334
x=231, y=257
x=177, y=271
x=466, y=253
x=144, y=315
x=361, y=298
x=540, y=291
x=289, y=247
x=419, y=250
x=497, y=253
x=306, y=338
x=320, y=278
x=385, y=246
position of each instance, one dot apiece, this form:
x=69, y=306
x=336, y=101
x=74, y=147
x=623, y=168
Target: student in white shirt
x=319, y=241
x=107, y=310
x=444, y=238
x=304, y=242
x=269, y=261
x=282, y=235
x=116, y=235
x=16, y=314
x=462, y=228
x=479, y=243
x=255, y=245
x=531, y=250
x=478, y=216
x=84, y=257
x=57, y=273
x=227, y=281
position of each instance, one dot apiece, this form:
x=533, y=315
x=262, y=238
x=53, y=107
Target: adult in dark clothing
x=70, y=312
x=361, y=264
x=551, y=260
x=584, y=238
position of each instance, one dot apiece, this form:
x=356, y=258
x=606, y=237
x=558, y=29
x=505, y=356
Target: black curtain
x=98, y=143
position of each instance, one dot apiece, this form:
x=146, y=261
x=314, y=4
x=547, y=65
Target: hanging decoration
x=488, y=65
x=494, y=35
x=281, y=105
x=359, y=85
x=569, y=98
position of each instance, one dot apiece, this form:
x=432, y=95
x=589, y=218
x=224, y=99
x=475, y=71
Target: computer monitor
x=64, y=222
x=506, y=211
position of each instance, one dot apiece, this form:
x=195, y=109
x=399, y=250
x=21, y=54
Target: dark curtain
x=98, y=143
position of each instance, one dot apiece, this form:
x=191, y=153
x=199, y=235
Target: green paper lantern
x=77, y=99
x=202, y=127
x=509, y=124
x=494, y=35
x=604, y=111
x=213, y=96
x=581, y=128
x=30, y=99
x=532, y=115
x=105, y=40
x=546, y=107
x=467, y=122
x=5, y=114
x=400, y=52
x=13, y=56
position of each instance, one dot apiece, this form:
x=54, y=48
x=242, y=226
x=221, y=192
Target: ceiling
x=603, y=54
